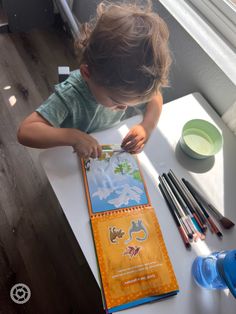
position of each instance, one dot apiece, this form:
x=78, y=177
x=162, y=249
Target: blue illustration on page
x=114, y=181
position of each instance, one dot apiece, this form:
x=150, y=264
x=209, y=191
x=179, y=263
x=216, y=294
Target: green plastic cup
x=200, y=139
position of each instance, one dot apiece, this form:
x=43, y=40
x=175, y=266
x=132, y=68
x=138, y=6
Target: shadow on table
x=191, y=164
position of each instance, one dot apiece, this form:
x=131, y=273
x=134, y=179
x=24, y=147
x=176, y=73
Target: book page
x=132, y=256
x=114, y=181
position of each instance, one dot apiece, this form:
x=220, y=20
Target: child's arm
x=139, y=134
x=37, y=132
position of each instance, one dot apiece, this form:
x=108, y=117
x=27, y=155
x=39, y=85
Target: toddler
x=123, y=63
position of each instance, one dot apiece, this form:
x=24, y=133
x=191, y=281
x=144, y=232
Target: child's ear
x=84, y=70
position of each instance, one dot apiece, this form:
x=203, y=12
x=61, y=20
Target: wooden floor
x=37, y=246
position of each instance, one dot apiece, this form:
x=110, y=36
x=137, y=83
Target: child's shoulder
x=75, y=86
x=75, y=75
x=75, y=79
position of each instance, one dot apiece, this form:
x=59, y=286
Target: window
x=212, y=24
x=221, y=14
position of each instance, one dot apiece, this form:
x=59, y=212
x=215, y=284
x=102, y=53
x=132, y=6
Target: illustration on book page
x=114, y=182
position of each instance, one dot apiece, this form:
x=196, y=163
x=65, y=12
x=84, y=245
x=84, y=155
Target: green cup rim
x=208, y=129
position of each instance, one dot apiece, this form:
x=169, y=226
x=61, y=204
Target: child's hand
x=136, y=138
x=87, y=146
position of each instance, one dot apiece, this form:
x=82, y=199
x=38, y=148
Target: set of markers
x=192, y=213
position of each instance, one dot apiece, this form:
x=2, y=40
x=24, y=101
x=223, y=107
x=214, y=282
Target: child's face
x=105, y=97
x=110, y=99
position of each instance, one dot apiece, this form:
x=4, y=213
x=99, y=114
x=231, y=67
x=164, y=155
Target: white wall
x=192, y=69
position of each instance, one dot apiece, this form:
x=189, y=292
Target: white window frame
x=221, y=14
x=209, y=39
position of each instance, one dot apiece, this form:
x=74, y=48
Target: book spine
x=121, y=210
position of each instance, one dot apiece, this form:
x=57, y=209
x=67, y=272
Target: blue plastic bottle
x=216, y=271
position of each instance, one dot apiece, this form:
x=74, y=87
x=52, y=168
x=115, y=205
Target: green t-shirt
x=73, y=106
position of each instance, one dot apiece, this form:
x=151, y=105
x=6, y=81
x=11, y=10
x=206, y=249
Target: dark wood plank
x=37, y=246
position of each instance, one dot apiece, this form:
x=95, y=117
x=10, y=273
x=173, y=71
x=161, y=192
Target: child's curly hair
x=126, y=48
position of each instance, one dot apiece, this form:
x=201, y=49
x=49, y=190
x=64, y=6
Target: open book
x=133, y=261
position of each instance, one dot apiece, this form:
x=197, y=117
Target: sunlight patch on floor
x=7, y=87
x=12, y=100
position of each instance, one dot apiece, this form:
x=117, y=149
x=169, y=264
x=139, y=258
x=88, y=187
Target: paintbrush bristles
x=226, y=223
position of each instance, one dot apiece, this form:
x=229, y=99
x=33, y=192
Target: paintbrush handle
x=212, y=225
x=177, y=206
x=184, y=192
x=202, y=198
x=114, y=150
x=174, y=215
x=215, y=211
x=177, y=194
x=187, y=215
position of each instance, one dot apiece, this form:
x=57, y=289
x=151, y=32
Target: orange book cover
x=133, y=261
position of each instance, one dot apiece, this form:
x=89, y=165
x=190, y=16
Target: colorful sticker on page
x=114, y=182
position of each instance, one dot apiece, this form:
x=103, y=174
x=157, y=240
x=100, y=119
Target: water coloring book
x=133, y=260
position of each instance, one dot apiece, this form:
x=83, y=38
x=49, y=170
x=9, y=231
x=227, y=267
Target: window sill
x=209, y=40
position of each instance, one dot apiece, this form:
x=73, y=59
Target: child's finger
x=127, y=139
x=94, y=153
x=130, y=146
x=137, y=147
x=99, y=151
x=137, y=141
x=83, y=155
x=138, y=150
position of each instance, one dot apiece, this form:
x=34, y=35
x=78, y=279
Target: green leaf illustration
x=136, y=175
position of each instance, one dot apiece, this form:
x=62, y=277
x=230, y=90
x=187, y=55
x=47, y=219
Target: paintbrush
x=178, y=209
x=200, y=206
x=191, y=220
x=225, y=222
x=109, y=148
x=175, y=216
x=184, y=193
x=114, y=150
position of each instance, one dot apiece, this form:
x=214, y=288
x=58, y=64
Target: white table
x=215, y=177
